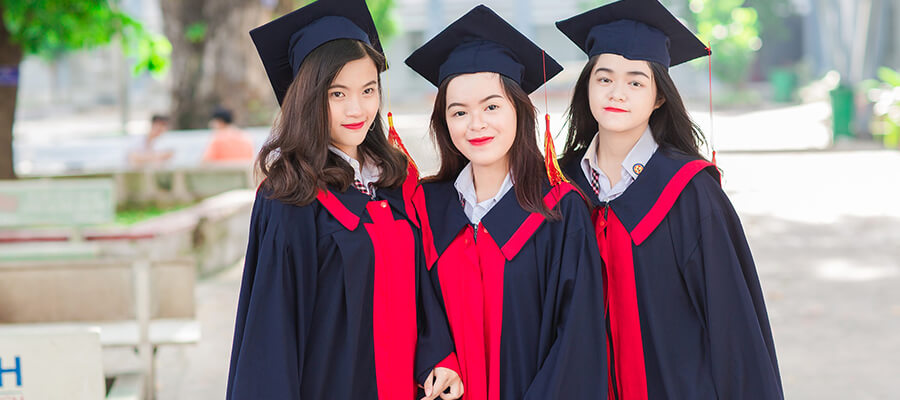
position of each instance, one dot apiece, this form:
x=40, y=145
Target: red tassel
x=554, y=173
x=394, y=139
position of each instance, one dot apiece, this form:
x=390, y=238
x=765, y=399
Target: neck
x=613, y=147
x=352, y=151
x=489, y=178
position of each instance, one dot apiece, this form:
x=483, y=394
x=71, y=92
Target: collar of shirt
x=465, y=185
x=632, y=165
x=368, y=174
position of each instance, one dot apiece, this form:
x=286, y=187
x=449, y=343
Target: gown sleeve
x=575, y=367
x=434, y=346
x=275, y=302
x=742, y=351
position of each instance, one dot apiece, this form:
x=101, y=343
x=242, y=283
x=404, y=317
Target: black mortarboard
x=481, y=41
x=636, y=30
x=284, y=43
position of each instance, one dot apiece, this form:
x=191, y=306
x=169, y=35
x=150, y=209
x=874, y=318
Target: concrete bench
x=55, y=277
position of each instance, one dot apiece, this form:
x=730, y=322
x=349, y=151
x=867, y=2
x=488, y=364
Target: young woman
x=335, y=291
x=685, y=311
x=514, y=256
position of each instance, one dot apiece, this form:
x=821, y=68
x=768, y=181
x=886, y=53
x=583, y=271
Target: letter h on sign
x=17, y=370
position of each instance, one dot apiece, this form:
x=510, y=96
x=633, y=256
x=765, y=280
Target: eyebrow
x=482, y=100
x=603, y=69
x=372, y=82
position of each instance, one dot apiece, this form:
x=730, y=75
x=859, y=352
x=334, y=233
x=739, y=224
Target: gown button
x=383, y=204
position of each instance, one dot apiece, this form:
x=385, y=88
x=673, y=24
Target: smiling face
x=622, y=94
x=481, y=118
x=353, y=103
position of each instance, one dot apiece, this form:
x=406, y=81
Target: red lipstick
x=354, y=126
x=615, y=110
x=481, y=141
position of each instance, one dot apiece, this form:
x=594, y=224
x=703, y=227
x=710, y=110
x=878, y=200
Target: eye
x=336, y=94
x=493, y=107
x=458, y=113
x=636, y=84
x=604, y=79
x=369, y=91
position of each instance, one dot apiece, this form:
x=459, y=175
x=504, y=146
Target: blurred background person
x=143, y=152
x=229, y=143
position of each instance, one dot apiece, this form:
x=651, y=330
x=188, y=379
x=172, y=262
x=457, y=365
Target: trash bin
x=842, y=111
x=783, y=81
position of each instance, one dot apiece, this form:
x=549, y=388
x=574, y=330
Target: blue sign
x=17, y=370
x=9, y=75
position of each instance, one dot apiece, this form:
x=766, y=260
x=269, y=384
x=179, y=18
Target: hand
x=439, y=381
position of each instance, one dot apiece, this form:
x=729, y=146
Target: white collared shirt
x=632, y=166
x=465, y=185
x=368, y=174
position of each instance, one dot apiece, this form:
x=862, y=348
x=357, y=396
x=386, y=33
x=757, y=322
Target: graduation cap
x=636, y=30
x=482, y=41
x=284, y=43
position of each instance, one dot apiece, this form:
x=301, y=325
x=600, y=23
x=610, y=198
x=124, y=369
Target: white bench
x=131, y=300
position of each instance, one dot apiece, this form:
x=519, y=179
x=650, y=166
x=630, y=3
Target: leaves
x=49, y=28
x=889, y=76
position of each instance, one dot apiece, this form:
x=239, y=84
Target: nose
x=477, y=122
x=617, y=93
x=352, y=107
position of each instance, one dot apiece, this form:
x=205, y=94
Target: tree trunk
x=222, y=67
x=10, y=57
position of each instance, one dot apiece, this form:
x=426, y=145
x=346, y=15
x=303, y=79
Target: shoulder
x=572, y=207
x=275, y=210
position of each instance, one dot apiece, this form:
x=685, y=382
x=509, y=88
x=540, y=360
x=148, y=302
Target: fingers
x=442, y=380
x=429, y=385
x=456, y=391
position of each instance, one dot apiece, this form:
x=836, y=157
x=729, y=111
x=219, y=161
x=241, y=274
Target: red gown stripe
x=409, y=189
x=666, y=200
x=338, y=210
x=393, y=303
x=533, y=222
x=622, y=309
x=418, y=201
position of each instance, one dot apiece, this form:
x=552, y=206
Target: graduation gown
x=686, y=316
x=521, y=297
x=334, y=296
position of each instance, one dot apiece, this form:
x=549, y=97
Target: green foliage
x=49, y=28
x=733, y=33
x=196, y=32
x=384, y=20
x=889, y=76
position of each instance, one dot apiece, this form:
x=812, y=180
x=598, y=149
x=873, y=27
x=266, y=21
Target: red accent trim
x=471, y=274
x=136, y=236
x=418, y=201
x=666, y=200
x=533, y=222
x=620, y=299
x=409, y=189
x=393, y=302
x=451, y=363
x=338, y=209
x=35, y=239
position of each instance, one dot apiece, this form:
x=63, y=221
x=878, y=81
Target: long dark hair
x=670, y=123
x=525, y=159
x=295, y=159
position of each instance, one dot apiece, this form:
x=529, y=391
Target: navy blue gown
x=522, y=294
x=333, y=299
x=686, y=316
